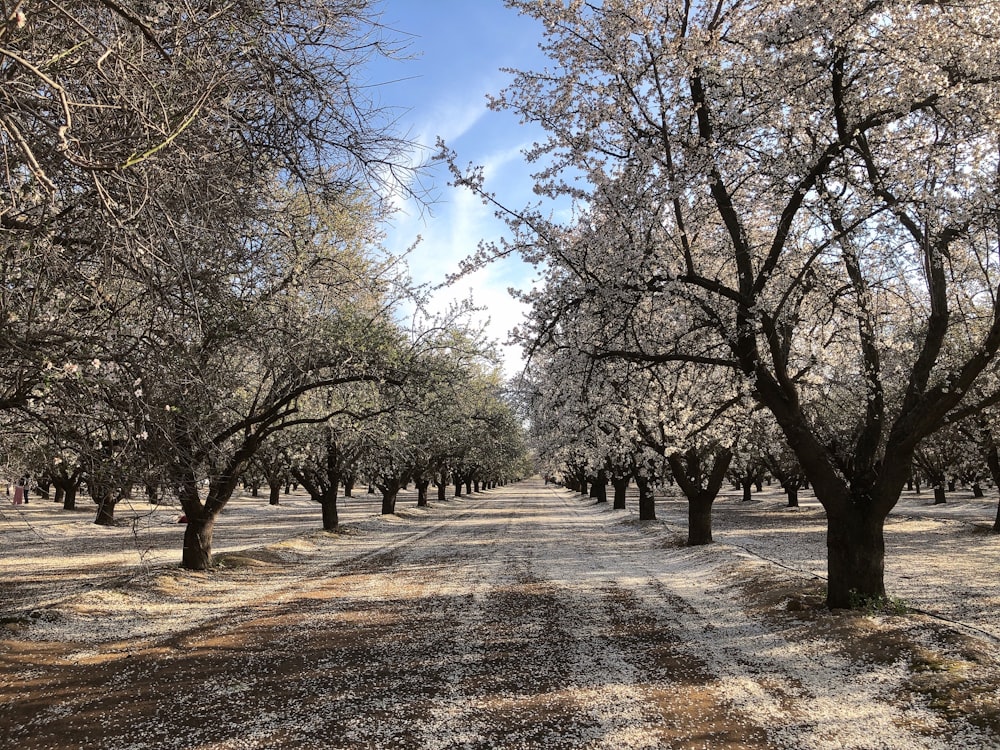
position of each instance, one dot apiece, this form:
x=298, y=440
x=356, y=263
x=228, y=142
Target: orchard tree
x=112, y=185
x=785, y=165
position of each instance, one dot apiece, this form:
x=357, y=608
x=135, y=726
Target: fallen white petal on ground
x=537, y=618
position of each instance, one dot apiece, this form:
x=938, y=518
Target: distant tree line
x=192, y=292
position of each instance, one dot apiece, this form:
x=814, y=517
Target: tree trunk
x=977, y=490
x=274, y=494
x=105, y=510
x=747, y=484
x=621, y=488
x=475, y=485
x=647, y=501
x=422, y=486
x=855, y=547
x=69, y=497
x=599, y=489
x=60, y=494
x=331, y=518
x=792, y=493
x=700, y=519
x=197, y=554
x=349, y=486
x=458, y=486
x=442, y=488
x=939, y=496
x=468, y=485
x=701, y=485
x=389, y=500
x=993, y=463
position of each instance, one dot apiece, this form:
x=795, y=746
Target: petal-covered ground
x=522, y=617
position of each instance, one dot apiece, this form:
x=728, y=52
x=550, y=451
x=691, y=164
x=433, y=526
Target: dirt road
x=519, y=618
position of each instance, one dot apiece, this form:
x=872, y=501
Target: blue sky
x=458, y=48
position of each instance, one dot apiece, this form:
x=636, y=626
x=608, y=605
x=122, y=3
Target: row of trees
x=783, y=213
x=190, y=273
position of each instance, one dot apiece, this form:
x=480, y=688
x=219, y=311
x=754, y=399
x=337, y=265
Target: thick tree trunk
x=422, y=486
x=993, y=463
x=349, y=485
x=274, y=494
x=939, y=496
x=792, y=493
x=458, y=486
x=599, y=489
x=621, y=488
x=977, y=490
x=468, y=485
x=747, y=484
x=442, y=488
x=60, y=494
x=700, y=519
x=331, y=518
x=69, y=497
x=701, y=485
x=647, y=501
x=105, y=511
x=855, y=547
x=475, y=485
x=389, y=501
x=197, y=554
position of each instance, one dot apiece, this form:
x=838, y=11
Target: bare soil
x=523, y=617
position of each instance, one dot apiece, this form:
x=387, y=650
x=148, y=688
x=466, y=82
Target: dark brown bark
x=389, y=501
x=939, y=494
x=856, y=558
x=274, y=494
x=621, y=488
x=792, y=493
x=700, y=485
x=647, y=500
x=599, y=489
x=331, y=517
x=422, y=485
x=458, y=486
x=197, y=553
x=106, y=504
x=390, y=487
x=700, y=520
x=993, y=463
